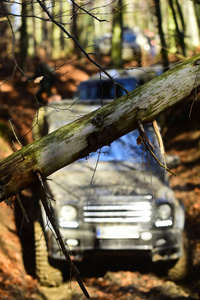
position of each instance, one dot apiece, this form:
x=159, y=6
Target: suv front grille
x=119, y=209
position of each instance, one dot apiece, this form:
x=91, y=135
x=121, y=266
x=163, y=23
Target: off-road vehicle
x=117, y=200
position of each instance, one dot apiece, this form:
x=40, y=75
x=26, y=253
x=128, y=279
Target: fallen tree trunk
x=99, y=128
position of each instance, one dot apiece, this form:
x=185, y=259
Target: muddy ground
x=119, y=279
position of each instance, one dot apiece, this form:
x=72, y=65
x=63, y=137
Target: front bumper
x=163, y=244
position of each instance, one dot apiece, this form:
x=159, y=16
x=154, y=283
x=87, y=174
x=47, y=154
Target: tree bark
x=162, y=36
x=116, y=49
x=23, y=38
x=56, y=32
x=74, y=30
x=101, y=127
x=180, y=33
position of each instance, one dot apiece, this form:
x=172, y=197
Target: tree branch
x=87, y=55
x=59, y=236
x=87, y=12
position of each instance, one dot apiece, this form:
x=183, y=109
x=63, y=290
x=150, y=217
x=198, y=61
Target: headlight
x=164, y=211
x=68, y=213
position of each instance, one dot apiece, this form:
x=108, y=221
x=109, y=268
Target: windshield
x=126, y=149
x=104, y=89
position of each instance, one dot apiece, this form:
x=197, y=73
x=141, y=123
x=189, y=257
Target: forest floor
x=120, y=279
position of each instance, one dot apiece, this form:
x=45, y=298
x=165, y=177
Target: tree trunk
x=197, y=13
x=99, y=128
x=192, y=40
x=74, y=30
x=56, y=32
x=38, y=42
x=5, y=31
x=116, y=50
x=162, y=36
x=23, y=37
x=180, y=33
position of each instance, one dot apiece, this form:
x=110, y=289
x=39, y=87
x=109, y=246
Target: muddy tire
x=180, y=270
x=47, y=275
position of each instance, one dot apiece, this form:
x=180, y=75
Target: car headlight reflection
x=68, y=213
x=164, y=211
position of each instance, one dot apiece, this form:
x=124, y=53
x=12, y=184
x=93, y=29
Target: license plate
x=117, y=232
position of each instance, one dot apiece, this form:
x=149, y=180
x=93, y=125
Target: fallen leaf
x=139, y=140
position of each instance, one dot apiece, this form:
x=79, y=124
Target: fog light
x=146, y=236
x=160, y=242
x=66, y=224
x=163, y=223
x=72, y=242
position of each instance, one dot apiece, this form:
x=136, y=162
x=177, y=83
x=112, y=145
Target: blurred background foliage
x=104, y=27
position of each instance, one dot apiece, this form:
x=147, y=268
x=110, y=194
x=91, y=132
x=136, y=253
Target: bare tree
x=5, y=33
x=24, y=37
x=179, y=32
x=74, y=26
x=116, y=50
x=162, y=36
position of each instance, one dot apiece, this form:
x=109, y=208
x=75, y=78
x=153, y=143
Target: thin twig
x=87, y=12
x=79, y=46
x=196, y=94
x=22, y=208
x=163, y=166
x=160, y=141
x=144, y=135
x=59, y=236
x=10, y=122
x=148, y=146
x=24, y=16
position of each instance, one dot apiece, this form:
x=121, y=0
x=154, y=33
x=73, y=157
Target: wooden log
x=99, y=128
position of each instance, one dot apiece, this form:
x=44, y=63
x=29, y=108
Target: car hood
x=81, y=180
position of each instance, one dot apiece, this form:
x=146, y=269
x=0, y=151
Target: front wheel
x=176, y=270
x=181, y=268
x=47, y=275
